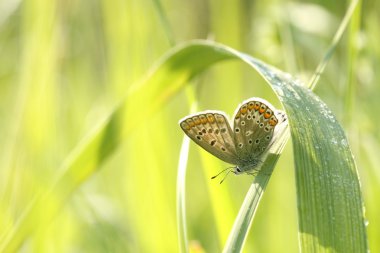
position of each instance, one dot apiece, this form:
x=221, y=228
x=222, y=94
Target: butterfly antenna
x=222, y=172
x=225, y=176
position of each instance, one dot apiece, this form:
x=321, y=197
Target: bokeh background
x=64, y=65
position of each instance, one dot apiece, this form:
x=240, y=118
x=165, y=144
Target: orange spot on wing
x=251, y=106
x=244, y=109
x=203, y=119
x=190, y=122
x=196, y=120
x=267, y=114
x=257, y=106
x=262, y=108
x=273, y=121
x=210, y=118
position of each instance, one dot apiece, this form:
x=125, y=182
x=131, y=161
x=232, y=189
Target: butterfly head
x=237, y=170
x=248, y=167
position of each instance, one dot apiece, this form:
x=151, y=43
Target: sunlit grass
x=66, y=65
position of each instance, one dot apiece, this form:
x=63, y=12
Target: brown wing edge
x=231, y=160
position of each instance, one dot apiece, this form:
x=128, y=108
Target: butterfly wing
x=211, y=130
x=254, y=124
x=280, y=127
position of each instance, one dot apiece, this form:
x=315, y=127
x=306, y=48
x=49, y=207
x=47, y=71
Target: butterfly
x=256, y=126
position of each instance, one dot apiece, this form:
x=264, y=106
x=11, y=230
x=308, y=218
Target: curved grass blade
x=181, y=186
x=164, y=81
x=338, y=35
x=181, y=197
x=327, y=173
x=330, y=208
x=327, y=185
x=248, y=209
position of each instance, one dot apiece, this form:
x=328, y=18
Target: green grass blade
x=247, y=211
x=181, y=197
x=165, y=80
x=79, y=166
x=338, y=35
x=181, y=185
x=329, y=199
x=164, y=21
x=352, y=61
x=330, y=208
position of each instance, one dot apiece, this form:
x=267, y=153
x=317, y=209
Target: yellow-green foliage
x=73, y=179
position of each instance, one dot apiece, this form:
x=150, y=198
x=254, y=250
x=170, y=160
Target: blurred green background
x=64, y=65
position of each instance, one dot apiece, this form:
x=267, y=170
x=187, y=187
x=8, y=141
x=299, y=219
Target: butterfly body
x=245, y=142
x=248, y=167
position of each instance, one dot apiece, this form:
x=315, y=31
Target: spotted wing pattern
x=254, y=124
x=212, y=131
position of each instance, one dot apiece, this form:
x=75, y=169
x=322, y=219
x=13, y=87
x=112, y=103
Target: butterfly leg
x=253, y=173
